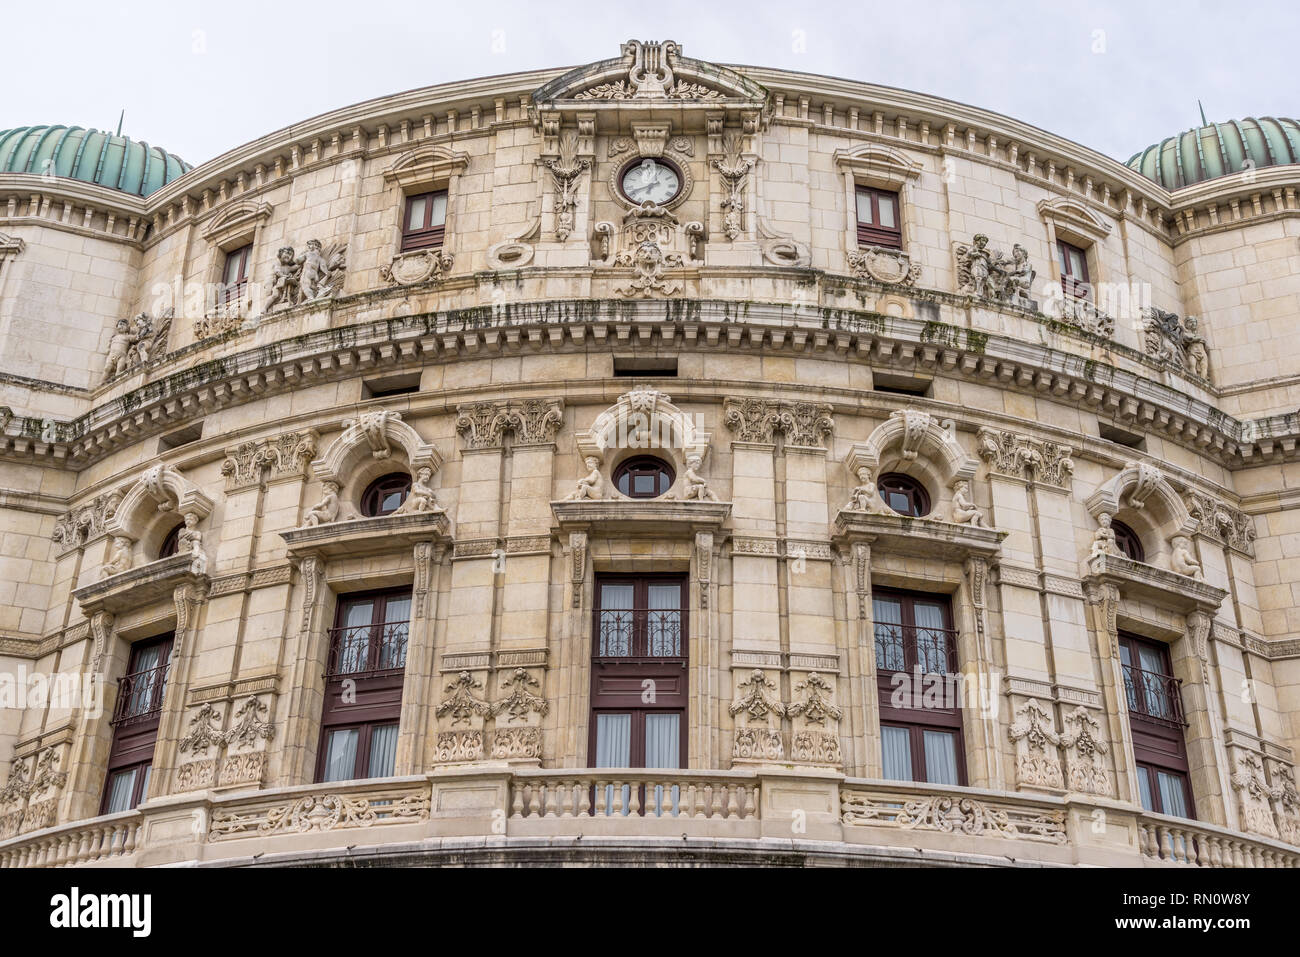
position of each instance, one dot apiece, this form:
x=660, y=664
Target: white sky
x=199, y=78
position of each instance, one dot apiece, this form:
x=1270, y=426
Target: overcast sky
x=199, y=78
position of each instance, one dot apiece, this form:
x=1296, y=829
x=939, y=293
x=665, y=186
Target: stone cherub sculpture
x=964, y=509
x=696, y=489
x=1019, y=276
x=1103, y=541
x=1198, y=359
x=283, y=284
x=315, y=274
x=118, y=347
x=1182, y=559
x=119, y=556
x=421, y=497
x=866, y=497
x=135, y=342
x=589, y=486
x=189, y=541
x=327, y=509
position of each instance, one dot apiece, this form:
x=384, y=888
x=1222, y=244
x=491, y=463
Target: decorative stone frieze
x=1254, y=794
x=649, y=264
x=509, y=744
x=757, y=699
x=1175, y=341
x=462, y=705
x=457, y=746
x=135, y=342
x=1221, y=523
x=566, y=169
x=954, y=814
x=521, y=702
x=29, y=799
x=759, y=420
x=988, y=274
x=417, y=267
x=287, y=455
x=734, y=169
x=1021, y=456
x=313, y=275
x=204, y=731
x=1286, y=801
x=1085, y=754
x=321, y=812
x=758, y=710
x=485, y=425
x=84, y=523
x=1038, y=763
x=651, y=76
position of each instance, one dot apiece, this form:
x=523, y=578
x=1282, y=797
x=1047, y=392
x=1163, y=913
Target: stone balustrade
x=762, y=807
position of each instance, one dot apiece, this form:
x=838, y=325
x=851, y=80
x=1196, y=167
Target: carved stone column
x=984, y=743
x=1103, y=605
x=862, y=719
x=1207, y=755
x=306, y=674
x=189, y=599
x=418, y=690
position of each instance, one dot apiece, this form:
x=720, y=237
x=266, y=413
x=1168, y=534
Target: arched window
x=904, y=495
x=171, y=543
x=643, y=477
x=1127, y=541
x=385, y=495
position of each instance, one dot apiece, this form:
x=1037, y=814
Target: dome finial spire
x=120, y=117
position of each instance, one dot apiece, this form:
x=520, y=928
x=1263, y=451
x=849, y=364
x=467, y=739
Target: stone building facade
x=627, y=453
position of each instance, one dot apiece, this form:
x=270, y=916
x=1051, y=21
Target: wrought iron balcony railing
x=908, y=647
x=1155, y=696
x=365, y=650
x=640, y=632
x=140, y=695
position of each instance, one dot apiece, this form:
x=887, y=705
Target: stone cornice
x=137, y=586
x=366, y=535
x=653, y=518
x=924, y=537
x=1141, y=581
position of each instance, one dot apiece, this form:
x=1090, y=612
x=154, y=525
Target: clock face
x=650, y=180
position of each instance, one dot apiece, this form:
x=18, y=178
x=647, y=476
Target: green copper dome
x=92, y=156
x=1220, y=149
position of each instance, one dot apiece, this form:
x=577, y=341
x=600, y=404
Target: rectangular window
x=639, y=641
x=879, y=223
x=135, y=724
x=1155, y=709
x=234, y=275
x=920, y=715
x=424, y=221
x=363, y=686
x=1074, y=271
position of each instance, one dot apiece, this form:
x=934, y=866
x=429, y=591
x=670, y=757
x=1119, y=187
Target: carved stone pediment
x=139, y=586
x=1139, y=580
x=654, y=518
x=919, y=537
x=650, y=71
x=366, y=535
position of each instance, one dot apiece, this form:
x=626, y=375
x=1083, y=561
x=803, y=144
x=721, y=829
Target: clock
x=650, y=181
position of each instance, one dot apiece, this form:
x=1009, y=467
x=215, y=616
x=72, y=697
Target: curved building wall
x=559, y=331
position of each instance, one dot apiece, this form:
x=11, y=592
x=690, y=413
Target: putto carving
x=462, y=705
x=964, y=509
x=866, y=495
x=119, y=556
x=520, y=702
x=734, y=170
x=419, y=266
x=1024, y=457
x=1175, y=341
x=1037, y=762
x=421, y=498
x=1085, y=753
x=648, y=263
x=313, y=275
x=889, y=266
x=1221, y=523
x=327, y=509
x=189, y=541
x=254, y=462
x=135, y=342
x=1255, y=794
x=591, y=485
x=758, y=420
x=694, y=488
x=1103, y=541
x=988, y=274
x=1182, y=559
x=485, y=425
x=566, y=169
x=757, y=699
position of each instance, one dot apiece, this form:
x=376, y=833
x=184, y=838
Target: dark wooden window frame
x=1159, y=743
x=663, y=471
x=873, y=234
x=233, y=287
x=1075, y=286
x=427, y=234
x=375, y=493
x=136, y=715
x=1128, y=542
x=376, y=697
x=918, y=498
x=171, y=543
x=617, y=682
x=919, y=720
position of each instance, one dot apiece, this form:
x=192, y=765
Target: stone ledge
x=367, y=536
x=657, y=517
x=1140, y=580
x=919, y=537
x=138, y=586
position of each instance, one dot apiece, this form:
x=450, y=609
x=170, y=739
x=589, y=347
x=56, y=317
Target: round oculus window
x=385, y=495
x=644, y=477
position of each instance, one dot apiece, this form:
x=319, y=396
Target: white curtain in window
x=931, y=645
x=1172, y=795
x=616, y=620
x=356, y=638
x=897, y=753
x=341, y=755
x=383, y=751
x=663, y=750
x=888, y=616
x=614, y=750
x=940, y=757
x=664, y=620
x=119, y=791
x=439, y=217
x=1144, y=785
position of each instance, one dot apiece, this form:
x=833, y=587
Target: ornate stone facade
x=450, y=433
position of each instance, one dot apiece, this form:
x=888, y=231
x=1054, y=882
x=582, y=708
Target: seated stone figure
x=589, y=486
x=421, y=497
x=326, y=510
x=695, y=488
x=964, y=510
